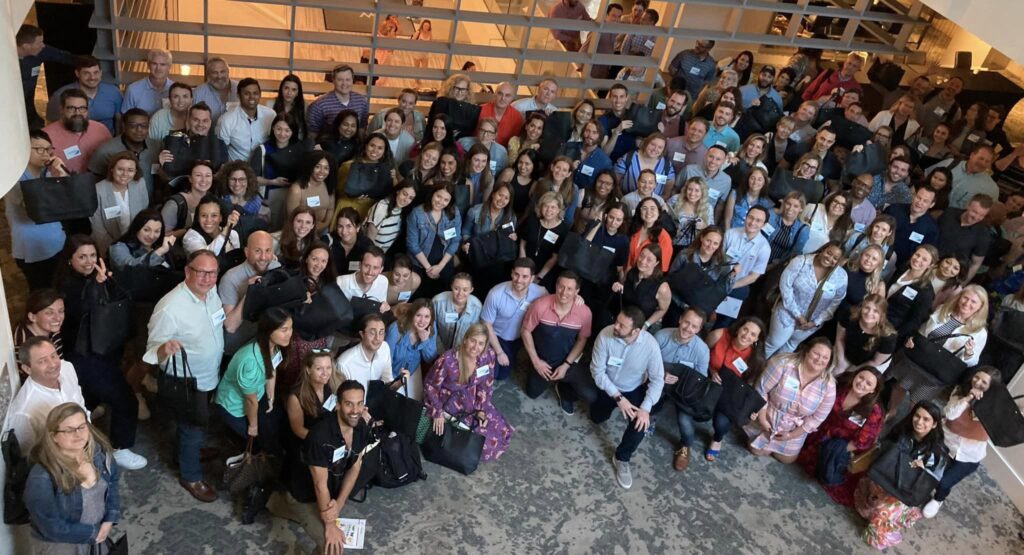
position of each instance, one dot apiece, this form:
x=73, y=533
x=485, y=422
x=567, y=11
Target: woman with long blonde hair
x=691, y=211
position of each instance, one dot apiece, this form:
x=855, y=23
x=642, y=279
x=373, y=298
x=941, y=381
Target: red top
x=723, y=354
x=635, y=246
x=510, y=124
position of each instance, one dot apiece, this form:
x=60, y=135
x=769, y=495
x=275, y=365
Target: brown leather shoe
x=200, y=490
x=682, y=459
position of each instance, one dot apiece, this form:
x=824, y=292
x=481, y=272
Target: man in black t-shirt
x=333, y=449
x=964, y=233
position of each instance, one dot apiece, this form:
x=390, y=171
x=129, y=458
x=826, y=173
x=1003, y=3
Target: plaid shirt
x=639, y=45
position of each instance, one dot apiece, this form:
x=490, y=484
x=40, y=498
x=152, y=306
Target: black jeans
x=103, y=382
x=601, y=409
x=39, y=274
x=267, y=426
x=576, y=384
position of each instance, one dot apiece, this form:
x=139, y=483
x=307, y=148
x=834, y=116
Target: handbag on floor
x=400, y=413
x=738, y=399
x=400, y=462
x=893, y=473
x=119, y=547
x=56, y=199
x=457, y=448
x=246, y=470
x=862, y=462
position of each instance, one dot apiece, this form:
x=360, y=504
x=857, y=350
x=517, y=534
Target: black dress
x=346, y=263
x=856, y=340
x=297, y=476
x=542, y=243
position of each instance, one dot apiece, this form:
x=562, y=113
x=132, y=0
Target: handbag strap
x=943, y=338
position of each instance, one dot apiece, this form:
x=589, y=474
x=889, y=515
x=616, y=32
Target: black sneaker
x=568, y=407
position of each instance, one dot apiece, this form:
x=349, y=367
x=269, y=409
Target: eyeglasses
x=487, y=131
x=238, y=179
x=460, y=89
x=324, y=351
x=77, y=109
x=203, y=273
x=74, y=431
x=43, y=149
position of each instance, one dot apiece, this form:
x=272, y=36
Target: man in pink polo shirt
x=74, y=136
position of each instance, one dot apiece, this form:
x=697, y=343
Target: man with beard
x=589, y=159
x=941, y=107
x=150, y=92
x=247, y=126
x=259, y=259
x=104, y=98
x=219, y=89
x=693, y=68
x=689, y=148
x=721, y=131
x=971, y=177
x=134, y=138
x=753, y=93
x=892, y=186
x=510, y=120
x=710, y=170
x=75, y=137
x=180, y=150
x=672, y=124
x=862, y=212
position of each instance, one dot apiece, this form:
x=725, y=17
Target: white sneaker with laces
x=623, y=474
x=128, y=460
x=932, y=508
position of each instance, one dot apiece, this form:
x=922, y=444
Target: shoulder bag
x=457, y=448
x=738, y=399
x=462, y=116
x=694, y=394
x=17, y=467
x=248, y=469
x=278, y=287
x=329, y=312
x=893, y=473
x=368, y=180
x=492, y=247
x=1001, y=416
x=935, y=360
x=56, y=199
x=645, y=119
x=591, y=262
x=400, y=413
x=287, y=161
x=783, y=183
x=110, y=320
x=696, y=288
x=179, y=392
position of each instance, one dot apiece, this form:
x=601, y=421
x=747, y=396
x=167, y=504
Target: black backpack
x=400, y=462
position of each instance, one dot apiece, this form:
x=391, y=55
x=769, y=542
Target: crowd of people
x=623, y=259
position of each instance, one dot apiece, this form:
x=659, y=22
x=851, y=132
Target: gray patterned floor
x=553, y=492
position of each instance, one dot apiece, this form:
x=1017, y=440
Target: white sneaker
x=623, y=475
x=932, y=508
x=143, y=407
x=128, y=460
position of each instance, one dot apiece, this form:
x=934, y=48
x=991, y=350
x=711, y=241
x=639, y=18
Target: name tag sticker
x=339, y=454
x=678, y=157
x=451, y=317
x=483, y=371
x=609, y=249
x=404, y=295
x=792, y=383
x=857, y=419
x=550, y=236
x=586, y=170
x=859, y=227
x=154, y=169
x=218, y=317
x=916, y=237
x=276, y=359
x=331, y=402
x=661, y=178
x=72, y=152
x=973, y=137
x=940, y=111
x=910, y=293
x=35, y=71
x=353, y=266
x=922, y=148
x=729, y=307
x=614, y=361
x=660, y=105
x=313, y=202
x=507, y=226
x=449, y=234
x=649, y=44
x=494, y=165
x=713, y=194
x=524, y=305
x=694, y=70
x=1018, y=268
x=768, y=228
x=112, y=212
x=740, y=365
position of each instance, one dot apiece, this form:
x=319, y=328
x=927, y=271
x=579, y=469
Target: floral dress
x=444, y=394
x=842, y=425
x=790, y=406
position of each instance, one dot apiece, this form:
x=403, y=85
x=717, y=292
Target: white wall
x=996, y=22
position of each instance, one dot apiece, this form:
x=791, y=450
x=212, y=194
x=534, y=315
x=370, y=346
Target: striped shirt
x=322, y=111
x=387, y=221
x=22, y=334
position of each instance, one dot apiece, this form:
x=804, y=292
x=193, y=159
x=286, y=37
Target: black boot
x=255, y=501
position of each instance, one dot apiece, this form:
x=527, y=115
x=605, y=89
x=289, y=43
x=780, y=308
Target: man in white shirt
x=247, y=126
x=370, y=359
x=367, y=282
x=51, y=382
x=547, y=90
x=190, y=319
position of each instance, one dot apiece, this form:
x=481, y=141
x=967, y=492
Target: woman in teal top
x=245, y=396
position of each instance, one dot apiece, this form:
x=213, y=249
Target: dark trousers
x=103, y=382
x=954, y=474
x=511, y=348
x=267, y=426
x=39, y=274
x=603, y=407
x=576, y=384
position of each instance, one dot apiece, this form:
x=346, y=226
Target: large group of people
x=799, y=260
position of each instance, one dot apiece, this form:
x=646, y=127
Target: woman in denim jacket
x=433, y=234
x=72, y=491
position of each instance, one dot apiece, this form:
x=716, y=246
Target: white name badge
x=713, y=194
x=729, y=307
x=768, y=229
x=586, y=170
x=740, y=365
x=922, y=148
x=614, y=361
x=678, y=157
x=483, y=371
x=609, y=249
x=313, y=202
x=973, y=137
x=550, y=236
x=404, y=295
x=494, y=165
x=218, y=317
x=649, y=44
x=451, y=317
x=694, y=70
x=524, y=305
x=507, y=226
x=916, y=237
x=792, y=383
x=35, y=71
x=660, y=105
x=339, y=454
x=331, y=402
x=859, y=227
x=276, y=360
x=722, y=144
x=154, y=169
x=112, y=212
x=1017, y=268
x=449, y=234
x=72, y=152
x=660, y=178
x=857, y=419
x=940, y=111
x=910, y=293
x=353, y=266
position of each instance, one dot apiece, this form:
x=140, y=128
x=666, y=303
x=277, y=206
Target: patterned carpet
x=554, y=492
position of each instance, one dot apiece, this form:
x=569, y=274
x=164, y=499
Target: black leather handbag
x=759, y=119
x=591, y=262
x=557, y=130
x=329, y=312
x=186, y=150
x=368, y=180
x=361, y=306
x=17, y=467
x=1001, y=416
x=462, y=116
x=340, y=149
x=278, y=287
x=693, y=394
x=893, y=473
x=886, y=73
x=458, y=448
x=935, y=360
x=111, y=320
x=870, y=160
x=645, y=119
x=288, y=160
x=148, y=284
x=228, y=260
x=493, y=247
x=696, y=288
x=179, y=392
x=56, y=199
x=783, y=183
x=738, y=399
x=400, y=413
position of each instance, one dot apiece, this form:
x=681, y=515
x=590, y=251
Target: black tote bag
x=738, y=399
x=111, y=320
x=277, y=287
x=935, y=360
x=457, y=448
x=696, y=288
x=893, y=473
x=148, y=284
x=493, y=247
x=56, y=199
x=178, y=390
x=693, y=394
x=17, y=467
x=645, y=119
x=783, y=183
x=328, y=312
x=1001, y=416
x=186, y=150
x=462, y=116
x=870, y=160
x=557, y=130
x=591, y=262
x=368, y=180
x=400, y=413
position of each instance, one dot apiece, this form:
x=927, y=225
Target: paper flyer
x=355, y=531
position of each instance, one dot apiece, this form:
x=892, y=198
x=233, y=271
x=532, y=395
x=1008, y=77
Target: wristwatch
x=617, y=398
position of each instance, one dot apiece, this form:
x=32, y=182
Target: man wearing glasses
x=75, y=137
x=134, y=138
x=190, y=319
x=486, y=134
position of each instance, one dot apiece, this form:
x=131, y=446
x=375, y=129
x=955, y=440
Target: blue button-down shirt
x=141, y=94
x=694, y=353
x=504, y=311
x=724, y=137
x=206, y=93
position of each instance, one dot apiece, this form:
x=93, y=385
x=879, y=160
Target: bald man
x=510, y=120
x=259, y=259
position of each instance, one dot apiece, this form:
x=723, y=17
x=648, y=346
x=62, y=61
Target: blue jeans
x=190, y=441
x=687, y=428
x=511, y=349
x=954, y=473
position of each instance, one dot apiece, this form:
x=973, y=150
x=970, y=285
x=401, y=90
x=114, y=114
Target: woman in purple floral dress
x=460, y=385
